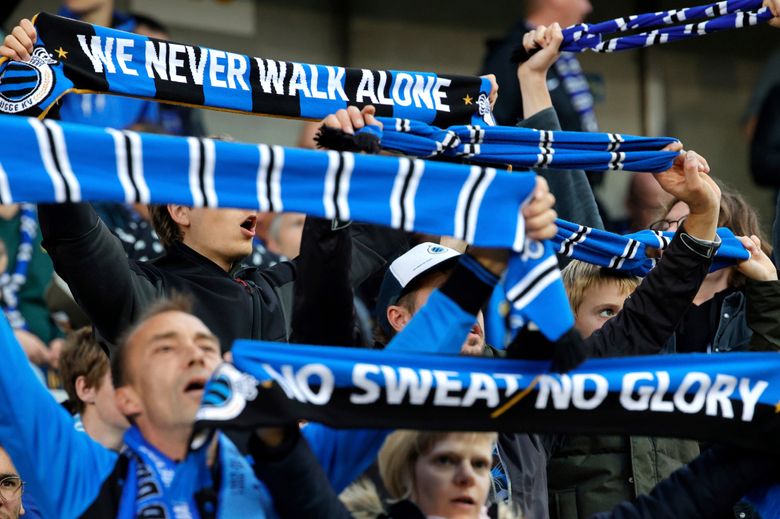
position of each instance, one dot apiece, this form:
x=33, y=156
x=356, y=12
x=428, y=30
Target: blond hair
x=401, y=451
x=579, y=277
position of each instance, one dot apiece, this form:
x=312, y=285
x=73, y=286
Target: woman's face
x=453, y=480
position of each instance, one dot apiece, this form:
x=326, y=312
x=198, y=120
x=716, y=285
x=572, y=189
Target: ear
x=128, y=401
x=398, y=317
x=85, y=393
x=180, y=214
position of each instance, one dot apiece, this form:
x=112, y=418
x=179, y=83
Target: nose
x=195, y=354
x=464, y=477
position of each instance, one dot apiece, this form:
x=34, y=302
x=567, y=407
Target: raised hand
x=758, y=267
x=18, y=45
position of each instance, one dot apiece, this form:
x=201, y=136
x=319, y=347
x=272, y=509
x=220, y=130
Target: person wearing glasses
x=10, y=489
x=737, y=304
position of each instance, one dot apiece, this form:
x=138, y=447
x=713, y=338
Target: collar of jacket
x=182, y=251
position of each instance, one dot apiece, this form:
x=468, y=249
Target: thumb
x=691, y=168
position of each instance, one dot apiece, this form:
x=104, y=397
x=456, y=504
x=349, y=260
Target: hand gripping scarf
x=666, y=26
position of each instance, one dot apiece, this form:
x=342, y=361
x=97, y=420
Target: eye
x=607, y=313
x=444, y=459
x=210, y=348
x=164, y=348
x=480, y=465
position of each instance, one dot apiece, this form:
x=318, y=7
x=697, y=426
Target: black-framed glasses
x=11, y=488
x=664, y=225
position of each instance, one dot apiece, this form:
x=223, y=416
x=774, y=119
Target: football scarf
x=157, y=486
x=72, y=56
x=482, y=206
x=665, y=26
x=729, y=397
x=628, y=253
x=11, y=283
x=527, y=148
x=576, y=86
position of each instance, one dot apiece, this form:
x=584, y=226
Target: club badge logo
x=26, y=84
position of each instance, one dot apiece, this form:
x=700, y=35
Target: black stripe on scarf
x=469, y=201
x=535, y=282
x=56, y=161
x=129, y=164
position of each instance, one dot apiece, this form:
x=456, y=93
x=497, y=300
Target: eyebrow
x=173, y=335
x=8, y=475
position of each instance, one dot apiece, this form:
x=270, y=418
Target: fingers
x=675, y=146
x=556, y=35
x=539, y=36
x=22, y=42
x=355, y=118
x=351, y=119
x=493, y=89
x=774, y=6
x=528, y=41
x=29, y=29
x=368, y=116
x=13, y=49
x=539, y=213
x=345, y=123
x=331, y=121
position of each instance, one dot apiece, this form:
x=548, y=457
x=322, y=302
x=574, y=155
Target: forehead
x=465, y=444
x=677, y=211
x=605, y=291
x=172, y=324
x=6, y=465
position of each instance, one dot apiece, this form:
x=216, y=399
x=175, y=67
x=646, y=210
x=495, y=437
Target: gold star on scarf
x=467, y=100
x=61, y=53
x=777, y=408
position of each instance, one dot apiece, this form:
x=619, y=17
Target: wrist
x=525, y=73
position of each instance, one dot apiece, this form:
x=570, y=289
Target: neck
x=173, y=442
x=223, y=263
x=100, y=15
x=8, y=211
x=105, y=434
x=713, y=283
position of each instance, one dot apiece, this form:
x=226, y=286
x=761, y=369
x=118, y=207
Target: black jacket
x=114, y=291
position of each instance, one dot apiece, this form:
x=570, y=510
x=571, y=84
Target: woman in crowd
x=728, y=300
x=430, y=474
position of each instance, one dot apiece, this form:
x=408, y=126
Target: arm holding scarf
x=652, y=313
x=94, y=265
x=574, y=197
x=63, y=468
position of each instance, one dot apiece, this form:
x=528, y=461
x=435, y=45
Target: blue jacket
x=70, y=475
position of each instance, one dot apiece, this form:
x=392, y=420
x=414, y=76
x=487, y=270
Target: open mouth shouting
x=248, y=226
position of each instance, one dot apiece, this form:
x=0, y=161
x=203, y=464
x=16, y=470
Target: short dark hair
x=82, y=356
x=175, y=302
x=163, y=224
x=407, y=298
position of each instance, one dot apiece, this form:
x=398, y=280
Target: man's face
x=678, y=211
x=474, y=345
x=600, y=303
x=10, y=489
x=287, y=238
x=82, y=7
x=572, y=11
x=171, y=357
x=226, y=234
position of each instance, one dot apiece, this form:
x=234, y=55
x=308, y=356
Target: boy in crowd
x=86, y=375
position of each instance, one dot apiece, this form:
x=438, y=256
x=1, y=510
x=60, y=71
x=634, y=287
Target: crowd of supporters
x=119, y=314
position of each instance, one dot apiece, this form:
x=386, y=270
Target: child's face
x=601, y=303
